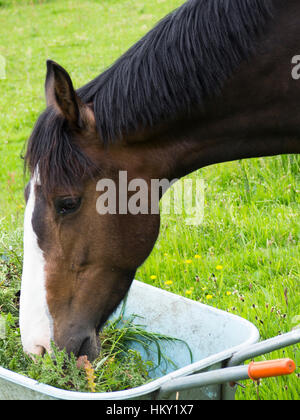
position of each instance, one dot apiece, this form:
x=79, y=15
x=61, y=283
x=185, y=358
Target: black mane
x=176, y=66
x=166, y=75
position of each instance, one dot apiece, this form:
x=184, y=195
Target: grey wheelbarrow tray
x=219, y=342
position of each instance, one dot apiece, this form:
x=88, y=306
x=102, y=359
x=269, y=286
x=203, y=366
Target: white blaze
x=35, y=320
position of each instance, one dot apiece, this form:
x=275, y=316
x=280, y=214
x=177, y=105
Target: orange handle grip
x=258, y=370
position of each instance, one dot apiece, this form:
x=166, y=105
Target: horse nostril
x=80, y=342
x=38, y=351
x=89, y=346
x=42, y=350
x=84, y=348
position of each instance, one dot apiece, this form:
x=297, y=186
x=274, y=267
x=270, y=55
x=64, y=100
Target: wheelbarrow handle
x=271, y=368
x=253, y=371
x=264, y=347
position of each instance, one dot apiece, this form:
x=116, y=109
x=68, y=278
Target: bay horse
x=212, y=82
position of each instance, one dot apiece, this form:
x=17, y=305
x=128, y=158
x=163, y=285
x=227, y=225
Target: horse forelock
x=53, y=157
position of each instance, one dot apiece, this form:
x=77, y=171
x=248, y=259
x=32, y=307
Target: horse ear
x=60, y=92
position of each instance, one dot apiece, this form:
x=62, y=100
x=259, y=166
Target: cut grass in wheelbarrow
x=118, y=367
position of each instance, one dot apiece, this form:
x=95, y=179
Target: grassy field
x=243, y=258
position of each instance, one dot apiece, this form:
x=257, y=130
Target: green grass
x=251, y=223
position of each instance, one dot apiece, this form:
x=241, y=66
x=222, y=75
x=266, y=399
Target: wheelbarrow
x=219, y=342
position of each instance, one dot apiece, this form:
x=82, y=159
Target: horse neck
x=254, y=116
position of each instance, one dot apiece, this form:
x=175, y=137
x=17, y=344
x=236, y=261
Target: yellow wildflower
x=188, y=261
x=228, y=293
x=153, y=277
x=168, y=282
x=188, y=292
x=208, y=297
x=219, y=267
x=197, y=257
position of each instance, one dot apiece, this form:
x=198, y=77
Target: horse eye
x=67, y=205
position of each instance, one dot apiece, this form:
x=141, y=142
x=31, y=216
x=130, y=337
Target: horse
x=212, y=82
